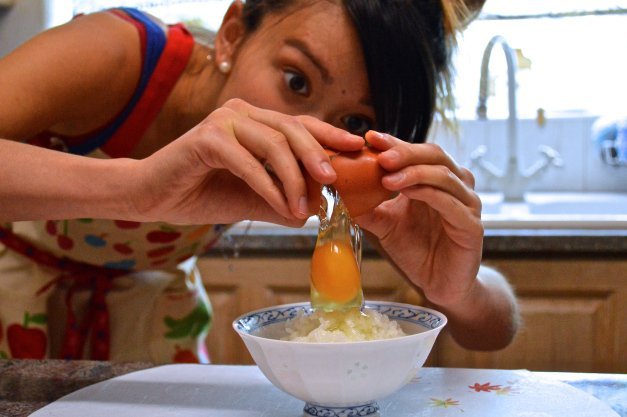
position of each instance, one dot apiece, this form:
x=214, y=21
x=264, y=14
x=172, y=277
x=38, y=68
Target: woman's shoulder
x=97, y=53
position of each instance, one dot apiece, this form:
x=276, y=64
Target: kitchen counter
x=256, y=238
x=26, y=385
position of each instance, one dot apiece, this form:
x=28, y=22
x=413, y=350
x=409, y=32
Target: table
x=26, y=386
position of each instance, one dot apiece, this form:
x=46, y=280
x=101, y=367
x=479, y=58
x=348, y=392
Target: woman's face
x=306, y=60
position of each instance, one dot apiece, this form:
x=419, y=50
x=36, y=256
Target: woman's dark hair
x=407, y=53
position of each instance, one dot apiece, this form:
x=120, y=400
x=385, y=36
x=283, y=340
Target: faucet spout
x=482, y=107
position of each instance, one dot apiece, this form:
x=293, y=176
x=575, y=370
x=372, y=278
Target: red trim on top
x=172, y=62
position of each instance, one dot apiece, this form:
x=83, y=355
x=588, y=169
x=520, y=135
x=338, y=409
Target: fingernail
x=302, y=206
x=379, y=134
x=327, y=168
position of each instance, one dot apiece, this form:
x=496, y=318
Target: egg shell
x=358, y=182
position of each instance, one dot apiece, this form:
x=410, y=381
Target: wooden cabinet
x=574, y=310
x=574, y=318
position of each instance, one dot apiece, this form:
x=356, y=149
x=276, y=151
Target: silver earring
x=224, y=67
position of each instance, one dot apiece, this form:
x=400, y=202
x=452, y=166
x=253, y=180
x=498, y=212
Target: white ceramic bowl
x=340, y=378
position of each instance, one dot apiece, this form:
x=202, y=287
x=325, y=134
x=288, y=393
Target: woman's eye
x=357, y=125
x=296, y=82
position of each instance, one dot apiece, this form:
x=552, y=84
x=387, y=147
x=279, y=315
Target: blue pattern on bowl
x=364, y=410
x=258, y=319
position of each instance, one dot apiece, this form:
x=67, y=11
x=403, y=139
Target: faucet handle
x=478, y=153
x=553, y=157
x=476, y=160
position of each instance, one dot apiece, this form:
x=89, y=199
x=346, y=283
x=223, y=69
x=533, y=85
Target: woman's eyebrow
x=304, y=49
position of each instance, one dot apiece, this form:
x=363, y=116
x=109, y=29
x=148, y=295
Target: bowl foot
x=363, y=410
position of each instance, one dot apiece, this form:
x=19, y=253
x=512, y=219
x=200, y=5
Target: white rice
x=342, y=326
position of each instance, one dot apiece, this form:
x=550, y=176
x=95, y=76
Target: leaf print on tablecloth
x=449, y=402
x=506, y=390
x=484, y=387
x=510, y=388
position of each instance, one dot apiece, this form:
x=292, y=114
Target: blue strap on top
x=155, y=43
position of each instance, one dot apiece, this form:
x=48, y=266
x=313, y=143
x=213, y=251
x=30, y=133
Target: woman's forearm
x=488, y=318
x=37, y=184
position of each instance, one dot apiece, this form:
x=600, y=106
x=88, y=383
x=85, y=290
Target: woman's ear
x=230, y=35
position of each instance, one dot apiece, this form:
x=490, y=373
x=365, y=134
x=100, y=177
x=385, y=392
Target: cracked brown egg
x=358, y=182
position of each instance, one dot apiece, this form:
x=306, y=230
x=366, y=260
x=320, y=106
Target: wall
x=583, y=168
x=21, y=21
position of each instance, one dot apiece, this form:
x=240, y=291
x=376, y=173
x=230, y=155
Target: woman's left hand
x=432, y=229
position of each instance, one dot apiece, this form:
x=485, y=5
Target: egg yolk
x=334, y=272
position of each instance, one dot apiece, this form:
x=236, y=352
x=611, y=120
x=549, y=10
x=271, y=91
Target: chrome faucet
x=512, y=181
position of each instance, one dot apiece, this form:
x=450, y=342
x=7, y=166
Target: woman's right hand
x=240, y=163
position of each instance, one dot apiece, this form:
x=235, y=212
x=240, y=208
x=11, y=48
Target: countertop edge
x=242, y=240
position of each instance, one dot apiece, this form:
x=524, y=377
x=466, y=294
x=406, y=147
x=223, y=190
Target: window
x=575, y=51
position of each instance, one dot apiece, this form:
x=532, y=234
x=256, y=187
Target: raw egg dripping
x=335, y=263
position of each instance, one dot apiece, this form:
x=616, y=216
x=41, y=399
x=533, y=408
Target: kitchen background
x=569, y=272
x=570, y=79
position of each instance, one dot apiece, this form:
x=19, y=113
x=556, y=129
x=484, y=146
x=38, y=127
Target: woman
x=180, y=133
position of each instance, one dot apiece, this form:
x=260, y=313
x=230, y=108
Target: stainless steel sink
x=556, y=211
